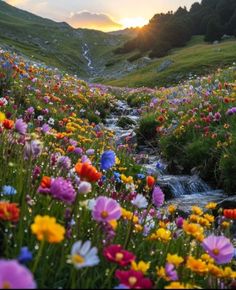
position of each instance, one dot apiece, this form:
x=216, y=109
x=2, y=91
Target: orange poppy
x=8, y=124
x=46, y=182
x=87, y=172
x=230, y=214
x=9, y=211
x=150, y=181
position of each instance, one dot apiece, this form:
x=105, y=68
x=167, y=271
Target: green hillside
x=56, y=44
x=197, y=57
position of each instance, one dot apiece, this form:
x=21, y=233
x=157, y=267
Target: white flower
x=140, y=201
x=85, y=187
x=40, y=118
x=3, y=101
x=82, y=255
x=51, y=121
x=91, y=203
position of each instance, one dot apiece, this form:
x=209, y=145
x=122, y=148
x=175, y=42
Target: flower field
x=77, y=212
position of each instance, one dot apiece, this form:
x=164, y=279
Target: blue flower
x=8, y=190
x=140, y=176
x=25, y=255
x=121, y=286
x=108, y=159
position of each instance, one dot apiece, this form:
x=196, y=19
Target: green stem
x=38, y=256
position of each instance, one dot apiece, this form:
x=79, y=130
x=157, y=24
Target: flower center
x=132, y=281
x=104, y=214
x=216, y=252
x=6, y=285
x=119, y=257
x=77, y=259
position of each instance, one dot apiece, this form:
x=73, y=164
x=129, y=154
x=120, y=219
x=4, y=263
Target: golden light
x=133, y=22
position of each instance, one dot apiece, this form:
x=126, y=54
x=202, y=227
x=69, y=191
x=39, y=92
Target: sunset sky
x=106, y=15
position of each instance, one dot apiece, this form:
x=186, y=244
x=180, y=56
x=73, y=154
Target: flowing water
x=87, y=57
x=182, y=190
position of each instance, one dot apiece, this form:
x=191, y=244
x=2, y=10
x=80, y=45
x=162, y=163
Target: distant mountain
x=131, y=32
x=81, y=51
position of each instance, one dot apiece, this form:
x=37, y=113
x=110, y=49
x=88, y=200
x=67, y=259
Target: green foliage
x=147, y=128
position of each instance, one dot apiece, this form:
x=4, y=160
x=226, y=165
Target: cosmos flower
x=83, y=255
x=15, y=276
x=116, y=254
x=106, y=209
x=133, y=279
x=108, y=159
x=219, y=248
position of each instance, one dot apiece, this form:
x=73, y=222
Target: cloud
x=99, y=21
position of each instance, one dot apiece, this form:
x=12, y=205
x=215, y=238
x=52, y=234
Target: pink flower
x=133, y=279
x=219, y=248
x=106, y=209
x=21, y=126
x=116, y=254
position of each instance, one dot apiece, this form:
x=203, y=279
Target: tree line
x=211, y=18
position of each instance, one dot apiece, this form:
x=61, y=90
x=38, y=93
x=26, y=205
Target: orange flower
x=150, y=181
x=230, y=214
x=46, y=182
x=70, y=148
x=8, y=124
x=9, y=211
x=87, y=172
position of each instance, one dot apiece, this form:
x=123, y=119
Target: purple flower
x=231, y=111
x=219, y=248
x=108, y=159
x=33, y=148
x=45, y=128
x=15, y=276
x=171, y=272
x=85, y=187
x=64, y=162
x=106, y=209
x=21, y=126
x=179, y=222
x=63, y=190
x=78, y=150
x=158, y=197
x=90, y=151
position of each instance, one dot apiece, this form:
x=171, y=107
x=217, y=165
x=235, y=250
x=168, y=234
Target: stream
x=181, y=190
x=85, y=49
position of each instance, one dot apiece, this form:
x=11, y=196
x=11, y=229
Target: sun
x=133, y=22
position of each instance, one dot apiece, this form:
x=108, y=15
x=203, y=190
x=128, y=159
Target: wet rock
x=126, y=122
x=229, y=203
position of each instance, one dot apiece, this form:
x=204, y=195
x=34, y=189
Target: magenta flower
x=63, y=190
x=106, y=209
x=15, y=276
x=158, y=197
x=21, y=126
x=219, y=248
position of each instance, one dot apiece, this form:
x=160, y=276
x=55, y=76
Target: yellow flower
x=209, y=217
x=113, y=224
x=174, y=259
x=194, y=218
x=126, y=179
x=215, y=270
x=197, y=265
x=228, y=273
x=2, y=117
x=140, y=266
x=46, y=229
x=128, y=215
x=197, y=210
x=225, y=225
x=162, y=235
x=172, y=208
x=178, y=285
x=211, y=205
x=194, y=230
x=207, y=258
x=161, y=272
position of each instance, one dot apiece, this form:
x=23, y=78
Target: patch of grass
x=197, y=58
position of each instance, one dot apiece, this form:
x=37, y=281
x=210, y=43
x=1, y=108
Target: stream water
x=87, y=56
x=183, y=190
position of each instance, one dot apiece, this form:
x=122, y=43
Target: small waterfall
x=182, y=190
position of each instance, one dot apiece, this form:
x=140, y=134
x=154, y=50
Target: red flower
x=9, y=212
x=46, y=182
x=115, y=253
x=150, y=181
x=87, y=172
x=230, y=214
x=8, y=124
x=133, y=279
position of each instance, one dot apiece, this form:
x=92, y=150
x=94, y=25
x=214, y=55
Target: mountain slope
x=56, y=44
